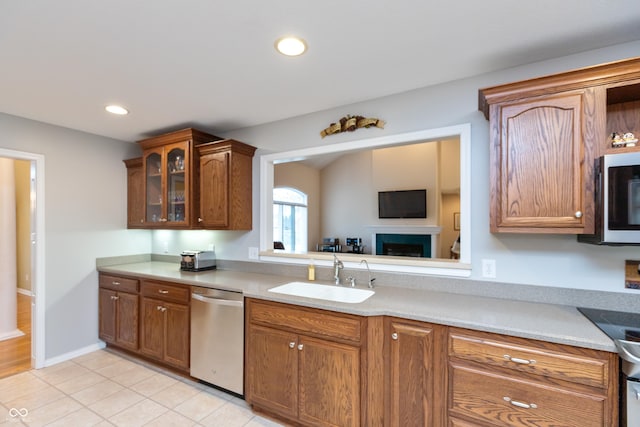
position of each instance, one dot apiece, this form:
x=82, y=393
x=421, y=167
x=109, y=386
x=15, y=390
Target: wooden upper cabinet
x=190, y=179
x=135, y=193
x=225, y=176
x=545, y=134
x=541, y=169
x=170, y=177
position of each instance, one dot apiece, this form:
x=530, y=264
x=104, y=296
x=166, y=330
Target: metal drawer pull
x=162, y=291
x=520, y=404
x=292, y=344
x=113, y=297
x=394, y=336
x=159, y=307
x=520, y=361
x=115, y=283
x=300, y=346
x=578, y=214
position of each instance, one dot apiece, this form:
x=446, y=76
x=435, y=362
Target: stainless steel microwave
x=617, y=200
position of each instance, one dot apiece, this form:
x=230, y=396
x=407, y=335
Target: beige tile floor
x=105, y=388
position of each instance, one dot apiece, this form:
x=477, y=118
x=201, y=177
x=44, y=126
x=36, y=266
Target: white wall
x=528, y=259
x=85, y=218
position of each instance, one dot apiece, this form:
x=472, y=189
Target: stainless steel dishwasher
x=217, y=337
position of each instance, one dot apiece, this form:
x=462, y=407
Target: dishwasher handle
x=217, y=301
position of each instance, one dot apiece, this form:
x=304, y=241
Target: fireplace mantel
x=404, y=229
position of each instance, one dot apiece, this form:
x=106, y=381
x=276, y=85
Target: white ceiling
x=211, y=64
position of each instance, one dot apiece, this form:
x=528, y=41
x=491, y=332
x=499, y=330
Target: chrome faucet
x=337, y=266
x=370, y=282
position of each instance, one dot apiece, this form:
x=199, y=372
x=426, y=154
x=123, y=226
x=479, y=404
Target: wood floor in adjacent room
x=15, y=353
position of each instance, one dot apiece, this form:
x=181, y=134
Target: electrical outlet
x=165, y=247
x=253, y=252
x=489, y=268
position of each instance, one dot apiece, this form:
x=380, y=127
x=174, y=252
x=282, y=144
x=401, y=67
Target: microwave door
x=633, y=201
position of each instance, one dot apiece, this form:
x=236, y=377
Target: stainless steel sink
x=324, y=292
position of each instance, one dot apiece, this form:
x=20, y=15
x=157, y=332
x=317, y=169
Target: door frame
x=37, y=253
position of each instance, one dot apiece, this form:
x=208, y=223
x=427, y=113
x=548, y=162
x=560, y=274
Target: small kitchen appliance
x=617, y=201
x=624, y=329
x=197, y=260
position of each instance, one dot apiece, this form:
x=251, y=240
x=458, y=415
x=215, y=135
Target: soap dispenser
x=312, y=271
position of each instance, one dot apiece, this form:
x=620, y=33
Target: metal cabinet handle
x=578, y=214
x=115, y=283
x=163, y=291
x=520, y=404
x=159, y=307
x=394, y=336
x=520, y=361
x=300, y=346
x=163, y=219
x=113, y=297
x=292, y=344
x=200, y=220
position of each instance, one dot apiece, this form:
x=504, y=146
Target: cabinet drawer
x=166, y=291
x=512, y=402
x=305, y=320
x=558, y=364
x=118, y=283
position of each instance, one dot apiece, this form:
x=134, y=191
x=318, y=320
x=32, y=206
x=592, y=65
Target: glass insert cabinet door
x=176, y=185
x=166, y=185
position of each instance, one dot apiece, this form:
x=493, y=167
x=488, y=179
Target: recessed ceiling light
x=116, y=109
x=291, y=46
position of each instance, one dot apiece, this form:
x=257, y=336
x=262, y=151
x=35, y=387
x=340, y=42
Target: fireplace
x=409, y=245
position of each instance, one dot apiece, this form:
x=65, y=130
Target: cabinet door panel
x=176, y=338
x=152, y=328
x=411, y=374
x=329, y=383
x=214, y=193
x=127, y=321
x=272, y=370
x=107, y=315
x=538, y=167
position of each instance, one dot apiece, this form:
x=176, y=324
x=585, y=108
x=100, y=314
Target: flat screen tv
x=402, y=204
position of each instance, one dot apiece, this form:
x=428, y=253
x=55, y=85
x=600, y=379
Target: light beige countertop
x=547, y=322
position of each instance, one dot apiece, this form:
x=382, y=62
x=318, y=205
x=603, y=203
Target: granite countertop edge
x=540, y=321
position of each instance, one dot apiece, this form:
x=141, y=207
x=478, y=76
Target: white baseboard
x=72, y=354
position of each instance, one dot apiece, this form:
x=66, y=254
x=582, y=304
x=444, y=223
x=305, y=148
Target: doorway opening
x=31, y=303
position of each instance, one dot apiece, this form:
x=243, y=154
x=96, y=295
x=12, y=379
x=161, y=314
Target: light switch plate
x=253, y=252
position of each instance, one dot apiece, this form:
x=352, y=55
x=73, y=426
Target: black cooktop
x=618, y=325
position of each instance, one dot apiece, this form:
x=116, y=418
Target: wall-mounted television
x=402, y=204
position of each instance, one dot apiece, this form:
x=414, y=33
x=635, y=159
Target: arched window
x=290, y=219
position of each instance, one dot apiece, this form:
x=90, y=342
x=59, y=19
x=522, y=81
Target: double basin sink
x=324, y=292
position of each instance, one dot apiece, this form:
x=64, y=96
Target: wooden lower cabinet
x=118, y=311
x=118, y=318
x=415, y=373
x=165, y=323
x=495, y=380
x=149, y=318
x=298, y=369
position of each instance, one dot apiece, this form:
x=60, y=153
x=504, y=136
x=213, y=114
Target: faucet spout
x=370, y=282
x=337, y=266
